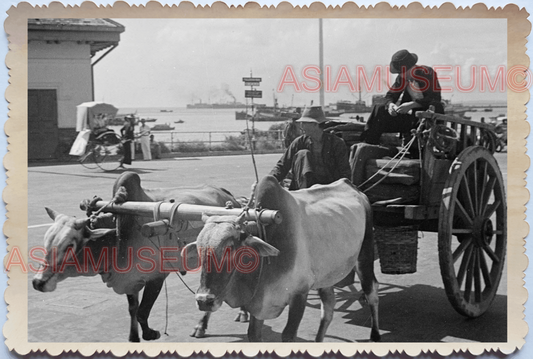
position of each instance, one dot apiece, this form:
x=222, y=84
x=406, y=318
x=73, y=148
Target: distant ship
x=166, y=110
x=358, y=106
x=455, y=109
x=353, y=107
x=242, y=115
x=202, y=105
x=165, y=127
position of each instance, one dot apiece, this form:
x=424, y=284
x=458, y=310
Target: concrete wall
x=66, y=67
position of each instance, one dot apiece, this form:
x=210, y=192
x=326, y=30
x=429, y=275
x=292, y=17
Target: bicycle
x=103, y=151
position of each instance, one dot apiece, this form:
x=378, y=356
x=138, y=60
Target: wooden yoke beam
x=190, y=212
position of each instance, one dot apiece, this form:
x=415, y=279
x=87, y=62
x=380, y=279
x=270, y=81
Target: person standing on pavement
x=316, y=157
x=127, y=133
x=144, y=138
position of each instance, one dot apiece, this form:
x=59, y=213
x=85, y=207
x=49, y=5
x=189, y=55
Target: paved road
x=413, y=307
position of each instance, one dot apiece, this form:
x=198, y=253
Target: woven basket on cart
x=398, y=248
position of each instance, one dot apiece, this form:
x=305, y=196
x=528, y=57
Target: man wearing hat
x=316, y=157
x=127, y=133
x=418, y=88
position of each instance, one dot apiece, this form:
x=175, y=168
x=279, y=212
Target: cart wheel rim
x=473, y=231
x=107, y=158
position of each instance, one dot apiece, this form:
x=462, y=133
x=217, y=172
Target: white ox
x=126, y=270
x=326, y=232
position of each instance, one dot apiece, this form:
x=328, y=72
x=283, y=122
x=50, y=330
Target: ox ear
x=100, y=232
x=263, y=248
x=53, y=214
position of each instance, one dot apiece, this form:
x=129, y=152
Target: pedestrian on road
x=316, y=157
x=155, y=147
x=144, y=138
x=127, y=133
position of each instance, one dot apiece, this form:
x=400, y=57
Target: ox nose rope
x=157, y=217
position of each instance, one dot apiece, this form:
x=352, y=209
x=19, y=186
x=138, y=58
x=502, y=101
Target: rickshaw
x=96, y=145
x=459, y=193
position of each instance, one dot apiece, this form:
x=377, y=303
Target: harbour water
x=217, y=124
x=197, y=123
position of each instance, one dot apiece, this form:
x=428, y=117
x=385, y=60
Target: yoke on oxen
x=170, y=215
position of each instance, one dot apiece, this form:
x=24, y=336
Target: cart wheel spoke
x=467, y=197
x=489, y=210
x=483, y=181
x=486, y=192
x=463, y=215
x=491, y=254
x=474, y=183
x=462, y=247
x=465, y=263
x=469, y=276
x=477, y=277
x=485, y=270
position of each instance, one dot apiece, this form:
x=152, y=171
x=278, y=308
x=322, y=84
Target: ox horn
x=53, y=214
x=80, y=223
x=241, y=218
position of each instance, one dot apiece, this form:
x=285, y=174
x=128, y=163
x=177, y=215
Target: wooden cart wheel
x=472, y=231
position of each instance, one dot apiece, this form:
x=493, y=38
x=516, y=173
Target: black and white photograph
x=343, y=180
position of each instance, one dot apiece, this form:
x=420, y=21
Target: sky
x=173, y=62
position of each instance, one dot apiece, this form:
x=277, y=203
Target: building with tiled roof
x=61, y=56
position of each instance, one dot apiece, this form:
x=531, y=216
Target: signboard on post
x=251, y=79
x=253, y=93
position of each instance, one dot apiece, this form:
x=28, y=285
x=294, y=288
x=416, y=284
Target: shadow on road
x=418, y=313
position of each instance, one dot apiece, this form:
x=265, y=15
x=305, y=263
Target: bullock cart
x=456, y=189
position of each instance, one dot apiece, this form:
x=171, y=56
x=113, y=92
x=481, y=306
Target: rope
x=185, y=284
x=166, y=308
x=401, y=153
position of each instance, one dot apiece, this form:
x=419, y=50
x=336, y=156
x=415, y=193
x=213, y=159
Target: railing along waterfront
x=177, y=141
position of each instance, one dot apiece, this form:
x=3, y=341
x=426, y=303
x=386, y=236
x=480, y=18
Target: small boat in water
x=179, y=121
x=166, y=110
x=165, y=127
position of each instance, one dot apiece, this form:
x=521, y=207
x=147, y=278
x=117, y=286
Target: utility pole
x=321, y=61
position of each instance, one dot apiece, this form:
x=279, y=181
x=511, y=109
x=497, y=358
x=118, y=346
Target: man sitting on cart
x=316, y=157
x=418, y=88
